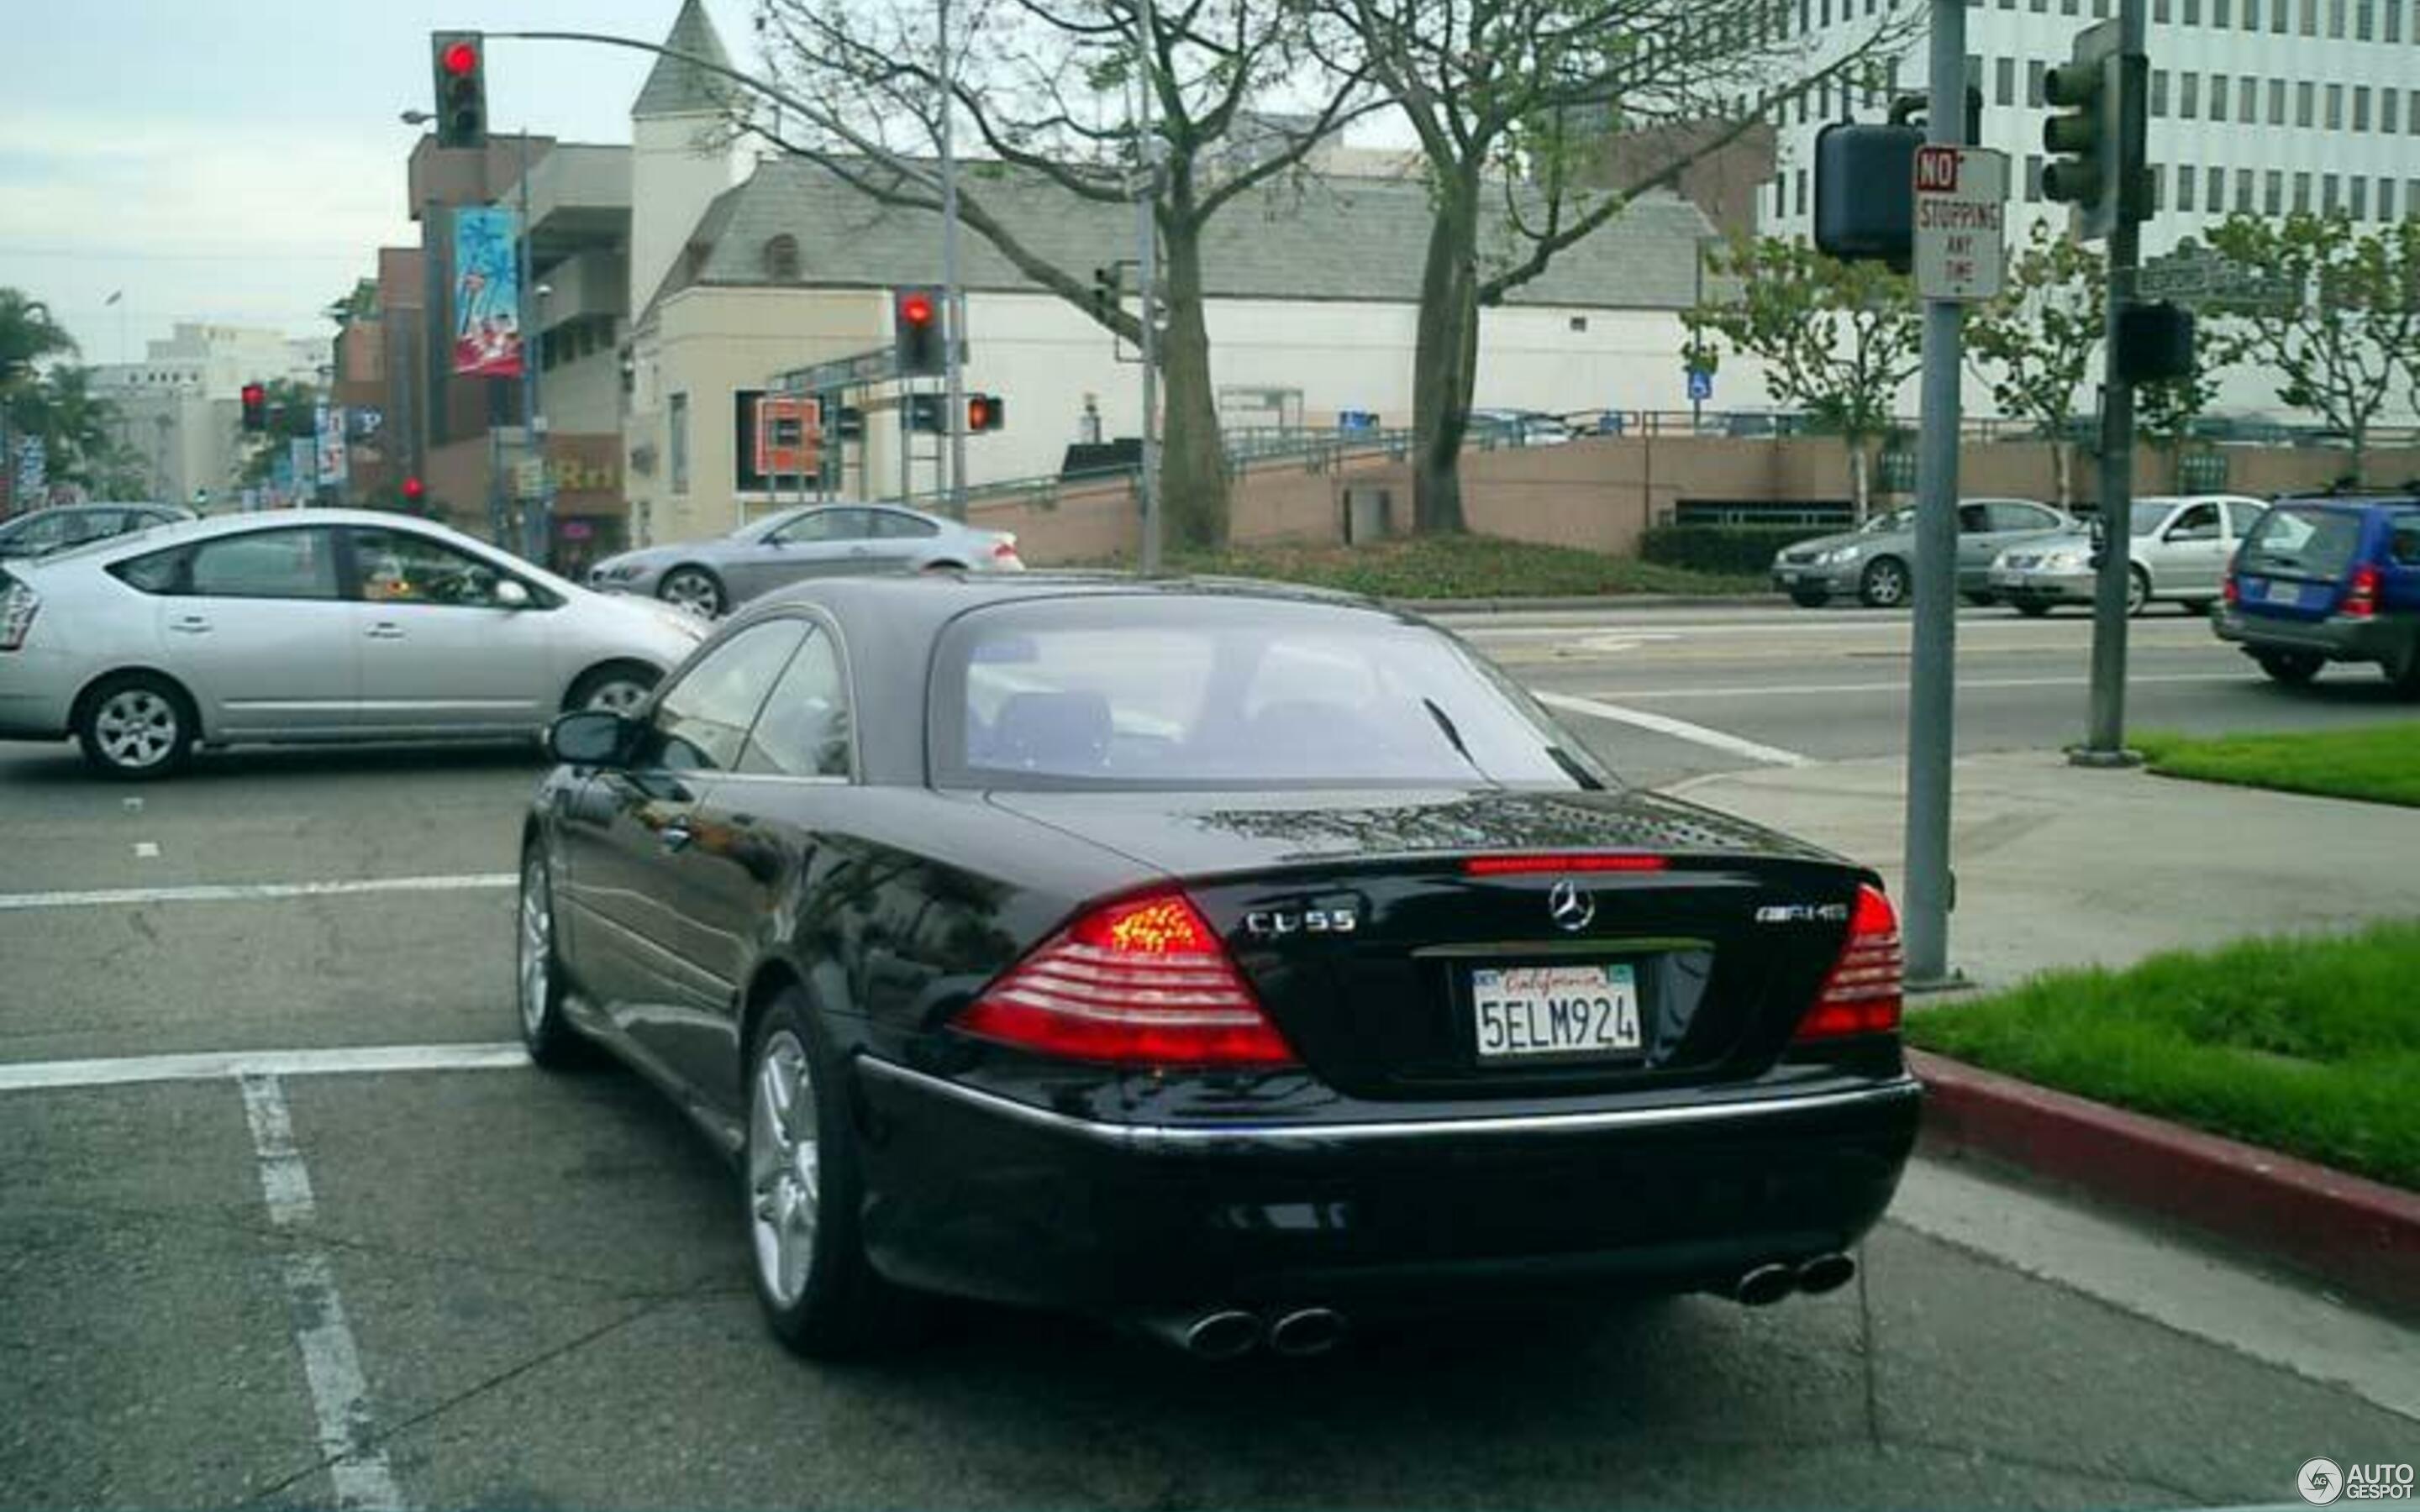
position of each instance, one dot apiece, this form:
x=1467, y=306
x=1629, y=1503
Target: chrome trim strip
x=1158, y=1137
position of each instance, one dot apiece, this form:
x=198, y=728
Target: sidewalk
x=2057, y=866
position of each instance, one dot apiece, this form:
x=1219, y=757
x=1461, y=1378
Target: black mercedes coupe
x=1230, y=961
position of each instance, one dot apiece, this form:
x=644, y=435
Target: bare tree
x=2034, y=343
x=1510, y=99
x=1043, y=93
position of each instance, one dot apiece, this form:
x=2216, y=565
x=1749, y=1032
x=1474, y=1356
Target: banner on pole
x=332, y=467
x=487, y=293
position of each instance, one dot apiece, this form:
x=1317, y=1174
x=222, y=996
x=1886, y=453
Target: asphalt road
x=473, y=1284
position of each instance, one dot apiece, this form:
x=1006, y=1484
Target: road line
x=331, y=1361
x=1678, y=728
x=146, y=850
x=1801, y=690
x=124, y=1070
x=253, y=891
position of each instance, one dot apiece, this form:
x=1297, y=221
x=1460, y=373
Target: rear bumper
x=974, y=1194
x=36, y=692
x=2378, y=637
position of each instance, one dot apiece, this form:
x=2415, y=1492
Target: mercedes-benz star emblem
x=1571, y=908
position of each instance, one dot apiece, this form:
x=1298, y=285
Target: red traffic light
x=255, y=394
x=460, y=59
x=916, y=309
x=414, y=488
x=978, y=414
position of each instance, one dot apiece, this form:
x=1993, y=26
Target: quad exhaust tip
x=1827, y=1272
x=1764, y=1285
x=1226, y=1335
x=1307, y=1332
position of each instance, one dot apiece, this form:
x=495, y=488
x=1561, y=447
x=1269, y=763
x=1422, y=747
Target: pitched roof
x=1339, y=238
x=677, y=87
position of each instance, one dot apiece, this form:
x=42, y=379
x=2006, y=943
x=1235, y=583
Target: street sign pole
x=1147, y=255
x=1924, y=920
x=953, y=300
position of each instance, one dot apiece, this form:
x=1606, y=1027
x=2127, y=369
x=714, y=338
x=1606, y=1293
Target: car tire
x=944, y=566
x=2032, y=609
x=2403, y=672
x=2139, y=593
x=618, y=686
x=1809, y=598
x=2295, y=668
x=135, y=726
x=1883, y=584
x=821, y=1296
x=695, y=589
x=546, y=1034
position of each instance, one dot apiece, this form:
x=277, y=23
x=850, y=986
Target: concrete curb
x=1604, y=601
x=2361, y=1235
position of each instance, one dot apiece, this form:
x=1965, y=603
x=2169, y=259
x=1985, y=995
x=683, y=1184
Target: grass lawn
x=1465, y=566
x=2305, y=1045
x=2380, y=763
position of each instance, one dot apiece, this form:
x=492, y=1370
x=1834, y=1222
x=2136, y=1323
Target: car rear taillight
x=2228, y=590
x=1143, y=981
x=1513, y=865
x=19, y=604
x=1003, y=550
x=2361, y=595
x=1862, y=993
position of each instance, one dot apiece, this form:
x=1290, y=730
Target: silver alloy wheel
x=536, y=944
x=1886, y=584
x=135, y=728
x=782, y=1169
x=693, y=592
x=617, y=695
x=2139, y=591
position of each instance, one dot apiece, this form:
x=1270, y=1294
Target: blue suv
x=2329, y=580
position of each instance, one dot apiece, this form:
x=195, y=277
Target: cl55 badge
x=1802, y=913
x=1271, y=923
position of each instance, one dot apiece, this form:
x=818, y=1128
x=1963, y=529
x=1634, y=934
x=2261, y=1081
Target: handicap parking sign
x=1702, y=384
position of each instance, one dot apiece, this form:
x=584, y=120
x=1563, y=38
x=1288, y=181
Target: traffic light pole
x=1147, y=255
x=953, y=299
x=1924, y=916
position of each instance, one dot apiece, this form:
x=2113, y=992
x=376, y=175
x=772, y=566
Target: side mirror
x=511, y=594
x=591, y=738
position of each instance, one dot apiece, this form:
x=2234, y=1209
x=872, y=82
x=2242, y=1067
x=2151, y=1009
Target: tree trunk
x=1193, y=458
x=1442, y=360
x=1860, y=482
x=2062, y=472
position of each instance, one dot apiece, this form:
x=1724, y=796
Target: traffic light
x=916, y=331
x=1109, y=291
x=986, y=412
x=458, y=66
x=2096, y=138
x=256, y=408
x=924, y=413
x=415, y=490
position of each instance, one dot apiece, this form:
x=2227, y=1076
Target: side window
x=2244, y=514
x=2016, y=515
x=94, y=525
x=2198, y=523
x=43, y=533
x=809, y=529
x=299, y=563
x=896, y=527
x=2403, y=540
x=702, y=721
x=406, y=567
x=160, y=572
x=804, y=731
x=1972, y=519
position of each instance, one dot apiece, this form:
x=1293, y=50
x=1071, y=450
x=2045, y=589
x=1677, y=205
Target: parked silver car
x=2179, y=549
x=41, y=531
x=707, y=578
x=309, y=626
x=1877, y=564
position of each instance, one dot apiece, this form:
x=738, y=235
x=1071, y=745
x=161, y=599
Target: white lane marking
x=1678, y=728
x=1802, y=689
x=146, y=850
x=331, y=1361
x=41, y=1075
x=2156, y=1275
x=249, y=891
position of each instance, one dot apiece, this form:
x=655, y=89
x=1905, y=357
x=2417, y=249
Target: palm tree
x=27, y=335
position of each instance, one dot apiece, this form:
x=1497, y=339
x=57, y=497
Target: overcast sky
x=239, y=161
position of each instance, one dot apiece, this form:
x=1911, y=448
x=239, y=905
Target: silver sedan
x=707, y=578
x=309, y=626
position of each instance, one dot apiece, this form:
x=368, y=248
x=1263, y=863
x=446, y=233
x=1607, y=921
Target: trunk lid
x=1398, y=969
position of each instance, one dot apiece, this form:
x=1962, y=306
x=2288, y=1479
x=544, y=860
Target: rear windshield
x=2303, y=540
x=1160, y=692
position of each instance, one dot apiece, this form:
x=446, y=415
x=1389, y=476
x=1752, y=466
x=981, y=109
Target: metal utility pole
x=1147, y=257
x=1924, y=918
x=2105, y=741
x=538, y=528
x=953, y=298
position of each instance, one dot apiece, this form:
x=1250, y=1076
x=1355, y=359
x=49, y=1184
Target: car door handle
x=677, y=835
x=189, y=624
x=386, y=630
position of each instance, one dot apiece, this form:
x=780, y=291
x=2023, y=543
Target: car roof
x=2338, y=501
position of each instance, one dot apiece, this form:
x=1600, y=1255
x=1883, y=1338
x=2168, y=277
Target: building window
x=2067, y=8
x=677, y=443
x=2161, y=11
x=2331, y=190
x=2193, y=12
x=2364, y=21
x=2218, y=96
x=1823, y=13
x=2386, y=199
x=2335, y=107
x=2281, y=17
x=1781, y=195
x=2394, y=21
x=1807, y=15
x=2305, y=94
x=1890, y=75
x=2003, y=80
x=2277, y=101
x=1799, y=193
x=2243, y=191
x=781, y=258
x=2336, y=19
x=2386, y=103
x=2036, y=72
x=2252, y=14
x=2361, y=107
x=2302, y=194
x=2310, y=17
x=2185, y=180
x=2359, y=190
x=2159, y=94
x=2033, y=178
x=2214, y=200
x=2273, y=193
x=2189, y=96
x=2100, y=9
x=2219, y=13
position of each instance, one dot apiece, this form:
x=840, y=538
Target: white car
x=310, y=625
x=2179, y=551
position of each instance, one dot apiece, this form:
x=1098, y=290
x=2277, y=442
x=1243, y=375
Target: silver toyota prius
x=304, y=626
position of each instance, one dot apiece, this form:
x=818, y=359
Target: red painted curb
x=2362, y=1235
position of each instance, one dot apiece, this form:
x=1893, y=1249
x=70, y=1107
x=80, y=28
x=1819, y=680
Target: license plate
x=1788, y=575
x=2288, y=594
x=1572, y=1011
